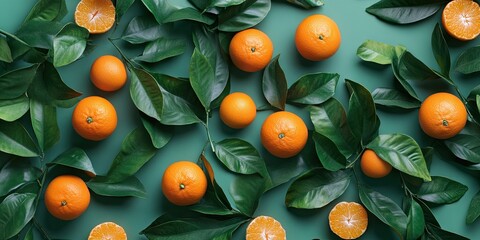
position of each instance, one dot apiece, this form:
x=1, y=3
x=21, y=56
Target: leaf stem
x=465, y=102
x=41, y=229
x=208, y=131
x=129, y=62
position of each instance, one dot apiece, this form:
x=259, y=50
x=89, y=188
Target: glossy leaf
x=415, y=220
x=142, y=29
x=246, y=191
x=307, y=4
x=19, y=48
x=240, y=156
x=47, y=10
x=468, y=61
x=13, y=109
x=439, y=233
x=404, y=11
x=44, y=123
x=159, y=133
x=39, y=34
x=316, y=188
x=188, y=13
x=5, y=52
x=313, y=88
x=159, y=8
x=473, y=209
x=274, y=84
x=160, y=49
x=390, y=97
x=179, y=87
x=465, y=147
x=328, y=153
x=385, y=209
x=128, y=187
x=75, y=158
x=440, y=50
x=202, y=78
x=427, y=213
x=403, y=82
x=14, y=139
x=411, y=68
x=17, y=210
x=69, y=44
x=361, y=116
x=200, y=4
x=177, y=111
x=441, y=190
x=121, y=7
x=402, y=152
x=243, y=16
x=226, y=3
x=16, y=173
x=376, y=52
x=136, y=150
x=146, y=93
x=15, y=83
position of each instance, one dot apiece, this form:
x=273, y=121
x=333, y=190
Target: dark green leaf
x=403, y=82
x=439, y=233
x=274, y=84
x=240, y=156
x=404, y=11
x=402, y=152
x=159, y=8
x=13, y=109
x=44, y=123
x=161, y=49
x=146, y=93
x=243, y=16
x=411, y=68
x=5, y=52
x=307, y=4
x=473, y=209
x=136, y=150
x=128, y=187
x=313, y=88
x=384, y=209
x=14, y=139
x=415, y=220
x=69, y=44
x=188, y=14
x=377, y=52
x=202, y=78
x=246, y=191
x=201, y=4
x=15, y=83
x=361, y=116
x=121, y=7
x=390, y=97
x=29, y=234
x=39, y=34
x=441, y=190
x=465, y=147
x=143, y=29
x=17, y=210
x=440, y=50
x=159, y=133
x=316, y=188
x=16, y=173
x=74, y=158
x=226, y=3
x=468, y=61
x=47, y=10
x=177, y=111
x=328, y=153
x=19, y=47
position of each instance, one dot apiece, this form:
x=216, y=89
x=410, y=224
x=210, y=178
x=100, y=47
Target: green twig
x=208, y=131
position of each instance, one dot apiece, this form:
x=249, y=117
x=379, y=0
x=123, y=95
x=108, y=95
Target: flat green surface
x=356, y=26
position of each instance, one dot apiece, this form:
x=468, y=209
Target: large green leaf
x=16, y=82
x=159, y=8
x=328, y=153
x=142, y=29
x=307, y=4
x=202, y=78
x=274, y=84
x=188, y=13
x=136, y=150
x=441, y=190
x=69, y=44
x=128, y=187
x=316, y=188
x=473, y=209
x=162, y=48
x=402, y=152
x=14, y=139
x=404, y=11
x=17, y=210
x=468, y=61
x=465, y=147
x=240, y=156
x=403, y=82
x=13, y=109
x=440, y=50
x=246, y=191
x=159, y=133
x=411, y=68
x=313, y=88
x=384, y=209
x=47, y=10
x=121, y=7
x=75, y=158
x=377, y=52
x=39, y=34
x=5, y=52
x=361, y=116
x=146, y=93
x=44, y=123
x=16, y=173
x=415, y=219
x=243, y=16
x=435, y=232
x=390, y=97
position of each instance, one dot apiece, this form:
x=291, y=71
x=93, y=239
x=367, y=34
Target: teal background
x=356, y=26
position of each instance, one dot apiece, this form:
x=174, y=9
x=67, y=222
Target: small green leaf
x=177, y=111
x=15, y=83
x=142, y=29
x=17, y=210
x=160, y=9
x=240, y=156
x=465, y=147
x=394, y=98
x=313, y=88
x=179, y=87
x=404, y=11
x=47, y=10
x=13, y=109
x=14, y=139
x=415, y=220
x=403, y=82
x=246, y=191
x=376, y=52
x=16, y=173
x=439, y=233
x=159, y=133
x=307, y=4
x=243, y=16
x=202, y=78
x=441, y=190
x=473, y=209
x=74, y=158
x=161, y=49
x=128, y=187
x=44, y=123
x=188, y=13
x=411, y=68
x=468, y=61
x=69, y=44
x=440, y=50
x=146, y=93
x=328, y=153
x=274, y=84
x=402, y=152
x=385, y=209
x=5, y=52
x=121, y=7
x=316, y=188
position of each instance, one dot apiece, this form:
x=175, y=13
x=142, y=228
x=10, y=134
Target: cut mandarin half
x=265, y=228
x=97, y=16
x=107, y=231
x=349, y=220
x=461, y=19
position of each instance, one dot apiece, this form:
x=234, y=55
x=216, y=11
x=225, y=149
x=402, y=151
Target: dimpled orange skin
x=317, y=37
x=67, y=197
x=251, y=50
x=184, y=183
x=94, y=118
x=442, y=115
x=283, y=134
x=108, y=73
x=373, y=166
x=237, y=110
